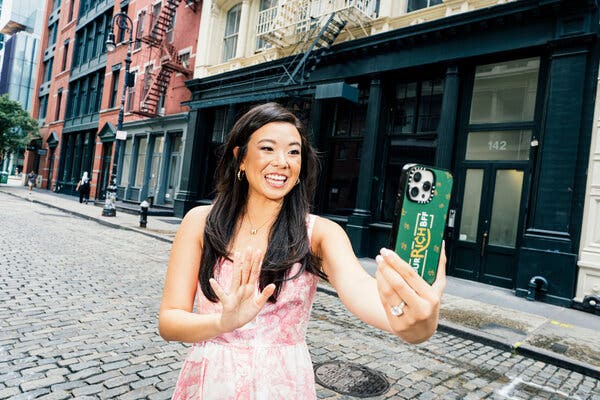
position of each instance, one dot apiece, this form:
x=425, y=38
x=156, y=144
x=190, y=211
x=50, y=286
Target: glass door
x=489, y=222
x=173, y=168
x=155, y=163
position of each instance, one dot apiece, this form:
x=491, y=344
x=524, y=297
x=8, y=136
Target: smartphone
x=420, y=217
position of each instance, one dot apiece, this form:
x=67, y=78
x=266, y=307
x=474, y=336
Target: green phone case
x=420, y=220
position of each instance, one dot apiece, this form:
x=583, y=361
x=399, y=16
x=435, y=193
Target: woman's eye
x=295, y=152
x=266, y=148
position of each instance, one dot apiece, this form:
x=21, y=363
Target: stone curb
x=523, y=349
x=520, y=348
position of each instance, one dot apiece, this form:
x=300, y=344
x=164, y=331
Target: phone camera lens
x=417, y=176
x=426, y=186
x=414, y=192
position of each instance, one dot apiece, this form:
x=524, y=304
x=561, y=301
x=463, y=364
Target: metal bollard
x=144, y=213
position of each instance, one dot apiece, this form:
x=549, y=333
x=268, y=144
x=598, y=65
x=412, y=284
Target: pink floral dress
x=264, y=360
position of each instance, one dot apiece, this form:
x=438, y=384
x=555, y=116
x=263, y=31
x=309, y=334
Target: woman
x=83, y=186
x=254, y=258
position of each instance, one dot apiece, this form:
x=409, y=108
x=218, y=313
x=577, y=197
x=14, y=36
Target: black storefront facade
x=502, y=96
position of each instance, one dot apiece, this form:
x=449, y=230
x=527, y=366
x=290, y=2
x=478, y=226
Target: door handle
x=485, y=235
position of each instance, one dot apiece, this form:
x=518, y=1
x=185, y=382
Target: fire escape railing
x=170, y=61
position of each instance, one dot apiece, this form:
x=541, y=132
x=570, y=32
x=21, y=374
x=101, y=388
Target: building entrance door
x=105, y=171
x=493, y=202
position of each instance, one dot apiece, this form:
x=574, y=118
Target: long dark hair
x=288, y=238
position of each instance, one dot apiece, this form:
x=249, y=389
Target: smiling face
x=273, y=160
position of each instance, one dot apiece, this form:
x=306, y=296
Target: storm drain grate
x=351, y=379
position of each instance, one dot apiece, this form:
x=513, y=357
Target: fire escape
x=310, y=27
x=170, y=61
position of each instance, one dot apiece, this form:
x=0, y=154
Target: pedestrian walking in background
x=31, y=177
x=253, y=259
x=83, y=187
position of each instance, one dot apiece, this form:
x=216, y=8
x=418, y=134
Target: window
x=98, y=102
x=65, y=55
x=121, y=32
x=131, y=92
x=48, y=69
x=126, y=163
x=265, y=5
x=232, y=28
x=505, y=92
x=43, y=107
x=52, y=33
x=71, y=9
x=415, y=109
x=147, y=81
x=114, y=90
x=139, y=32
x=85, y=95
x=141, y=161
x=185, y=59
x=414, y=5
x=171, y=28
x=346, y=130
x=58, y=104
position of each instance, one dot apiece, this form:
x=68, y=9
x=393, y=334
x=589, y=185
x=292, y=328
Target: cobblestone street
x=78, y=319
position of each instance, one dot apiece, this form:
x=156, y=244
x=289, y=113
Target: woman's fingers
x=440, y=280
x=247, y=263
x=218, y=289
x=389, y=297
x=237, y=272
x=262, y=298
x=410, y=276
x=397, y=283
x=255, y=270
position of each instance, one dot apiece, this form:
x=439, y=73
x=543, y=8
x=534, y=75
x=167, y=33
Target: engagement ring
x=398, y=310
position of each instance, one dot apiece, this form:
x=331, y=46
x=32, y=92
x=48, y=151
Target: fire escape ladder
x=163, y=21
x=158, y=88
x=169, y=62
x=302, y=69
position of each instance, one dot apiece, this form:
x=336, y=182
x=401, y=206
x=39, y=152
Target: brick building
x=79, y=90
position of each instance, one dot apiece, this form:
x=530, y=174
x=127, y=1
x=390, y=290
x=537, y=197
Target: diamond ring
x=398, y=310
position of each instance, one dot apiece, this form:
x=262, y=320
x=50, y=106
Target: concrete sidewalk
x=564, y=337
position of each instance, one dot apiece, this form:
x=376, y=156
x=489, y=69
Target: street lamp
x=125, y=24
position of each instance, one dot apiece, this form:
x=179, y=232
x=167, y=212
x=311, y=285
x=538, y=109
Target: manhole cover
x=352, y=379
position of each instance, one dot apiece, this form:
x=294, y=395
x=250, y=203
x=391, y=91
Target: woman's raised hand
x=242, y=303
x=412, y=306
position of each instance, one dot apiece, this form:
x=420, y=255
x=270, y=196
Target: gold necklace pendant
x=253, y=231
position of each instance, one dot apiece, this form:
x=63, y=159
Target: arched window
x=232, y=29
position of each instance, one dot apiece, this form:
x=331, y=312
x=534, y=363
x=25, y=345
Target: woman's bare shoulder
x=325, y=229
x=195, y=220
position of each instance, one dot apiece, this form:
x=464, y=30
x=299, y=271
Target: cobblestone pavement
x=78, y=308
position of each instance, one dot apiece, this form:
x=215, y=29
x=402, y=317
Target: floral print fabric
x=266, y=359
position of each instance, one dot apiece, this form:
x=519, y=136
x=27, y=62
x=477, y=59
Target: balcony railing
x=291, y=17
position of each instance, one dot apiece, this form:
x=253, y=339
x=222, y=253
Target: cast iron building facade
x=500, y=93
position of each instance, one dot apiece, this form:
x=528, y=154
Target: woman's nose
x=280, y=159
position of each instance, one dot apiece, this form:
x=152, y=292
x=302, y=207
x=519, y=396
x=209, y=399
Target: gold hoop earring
x=298, y=181
x=239, y=174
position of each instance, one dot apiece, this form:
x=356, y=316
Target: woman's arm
x=240, y=303
x=370, y=298
x=176, y=320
